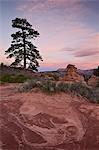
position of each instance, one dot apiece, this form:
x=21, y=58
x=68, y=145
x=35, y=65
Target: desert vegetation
x=52, y=82
x=51, y=87
x=13, y=78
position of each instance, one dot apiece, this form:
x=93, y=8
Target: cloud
x=75, y=7
x=43, y=5
x=88, y=46
x=86, y=52
x=92, y=41
x=71, y=38
x=67, y=49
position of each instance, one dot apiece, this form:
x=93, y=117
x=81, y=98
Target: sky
x=69, y=30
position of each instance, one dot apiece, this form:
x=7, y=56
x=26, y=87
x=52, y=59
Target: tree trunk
x=24, y=51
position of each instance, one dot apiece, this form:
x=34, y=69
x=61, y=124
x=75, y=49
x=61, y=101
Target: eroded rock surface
x=72, y=74
x=36, y=121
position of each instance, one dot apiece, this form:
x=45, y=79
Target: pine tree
x=24, y=52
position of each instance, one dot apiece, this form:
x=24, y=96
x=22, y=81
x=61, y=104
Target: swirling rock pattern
x=36, y=121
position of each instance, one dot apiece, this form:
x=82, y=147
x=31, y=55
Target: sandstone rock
x=93, y=81
x=72, y=75
x=36, y=121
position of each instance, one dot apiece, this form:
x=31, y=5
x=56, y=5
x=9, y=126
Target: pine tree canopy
x=24, y=52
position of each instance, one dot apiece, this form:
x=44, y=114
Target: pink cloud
x=43, y=5
x=88, y=46
x=86, y=52
x=75, y=37
x=67, y=49
x=92, y=41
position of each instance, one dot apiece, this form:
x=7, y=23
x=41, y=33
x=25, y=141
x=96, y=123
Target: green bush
x=6, y=78
x=13, y=79
x=20, y=78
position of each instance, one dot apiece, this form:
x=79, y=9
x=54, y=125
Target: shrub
x=52, y=87
x=6, y=78
x=2, y=65
x=63, y=87
x=27, y=86
x=48, y=86
x=13, y=79
x=55, y=76
x=81, y=89
x=95, y=97
x=20, y=78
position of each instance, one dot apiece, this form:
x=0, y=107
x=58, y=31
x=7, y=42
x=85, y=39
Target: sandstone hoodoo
x=72, y=75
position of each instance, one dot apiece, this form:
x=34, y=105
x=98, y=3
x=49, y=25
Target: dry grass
x=50, y=87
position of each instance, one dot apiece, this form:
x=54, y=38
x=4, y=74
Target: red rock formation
x=36, y=121
x=93, y=81
x=72, y=74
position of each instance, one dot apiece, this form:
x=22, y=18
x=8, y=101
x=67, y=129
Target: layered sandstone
x=72, y=74
x=36, y=121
